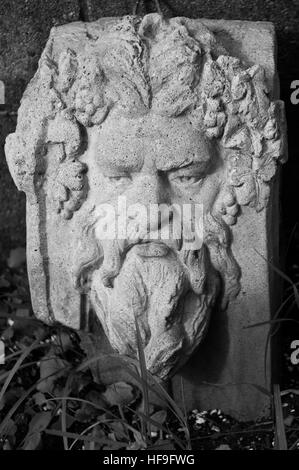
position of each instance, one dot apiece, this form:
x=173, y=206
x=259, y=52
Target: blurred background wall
x=24, y=29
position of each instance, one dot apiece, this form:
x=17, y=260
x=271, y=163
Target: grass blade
x=16, y=405
x=280, y=434
x=143, y=371
x=15, y=368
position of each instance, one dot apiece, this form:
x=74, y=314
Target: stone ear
x=15, y=159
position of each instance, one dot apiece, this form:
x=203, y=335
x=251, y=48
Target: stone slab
x=230, y=357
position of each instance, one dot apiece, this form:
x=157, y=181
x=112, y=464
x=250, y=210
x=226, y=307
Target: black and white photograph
x=149, y=229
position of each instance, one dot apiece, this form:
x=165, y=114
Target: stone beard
x=158, y=112
x=168, y=289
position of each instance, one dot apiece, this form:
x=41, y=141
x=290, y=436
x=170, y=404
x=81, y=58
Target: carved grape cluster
x=89, y=107
x=237, y=110
x=231, y=102
x=77, y=98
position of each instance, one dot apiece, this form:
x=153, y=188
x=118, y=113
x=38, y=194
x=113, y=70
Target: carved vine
x=132, y=68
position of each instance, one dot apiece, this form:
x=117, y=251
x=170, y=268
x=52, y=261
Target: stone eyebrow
x=123, y=167
x=168, y=165
x=186, y=164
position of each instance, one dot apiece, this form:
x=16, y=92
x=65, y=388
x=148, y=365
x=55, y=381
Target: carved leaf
x=246, y=191
x=67, y=66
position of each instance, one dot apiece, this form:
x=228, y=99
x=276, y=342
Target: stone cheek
x=156, y=113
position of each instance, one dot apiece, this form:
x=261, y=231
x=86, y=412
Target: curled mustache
x=107, y=256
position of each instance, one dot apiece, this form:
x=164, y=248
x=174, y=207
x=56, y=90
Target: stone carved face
x=157, y=115
x=170, y=289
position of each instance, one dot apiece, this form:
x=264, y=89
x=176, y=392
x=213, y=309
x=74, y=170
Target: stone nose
x=149, y=192
x=148, y=189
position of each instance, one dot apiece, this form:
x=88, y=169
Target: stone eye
x=186, y=179
x=117, y=179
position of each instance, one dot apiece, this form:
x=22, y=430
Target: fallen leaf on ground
x=119, y=393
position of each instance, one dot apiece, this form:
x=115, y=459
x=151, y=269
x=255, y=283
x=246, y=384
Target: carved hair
x=146, y=65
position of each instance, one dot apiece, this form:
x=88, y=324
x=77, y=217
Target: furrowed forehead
x=180, y=147
x=126, y=144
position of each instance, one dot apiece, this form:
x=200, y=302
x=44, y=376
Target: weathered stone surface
x=233, y=361
x=22, y=53
x=178, y=113
x=24, y=30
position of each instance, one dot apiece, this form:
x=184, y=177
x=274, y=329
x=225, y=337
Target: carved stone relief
x=156, y=112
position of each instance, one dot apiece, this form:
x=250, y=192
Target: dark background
x=24, y=29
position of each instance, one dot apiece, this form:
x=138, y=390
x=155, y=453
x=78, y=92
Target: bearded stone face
x=154, y=273
x=139, y=143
